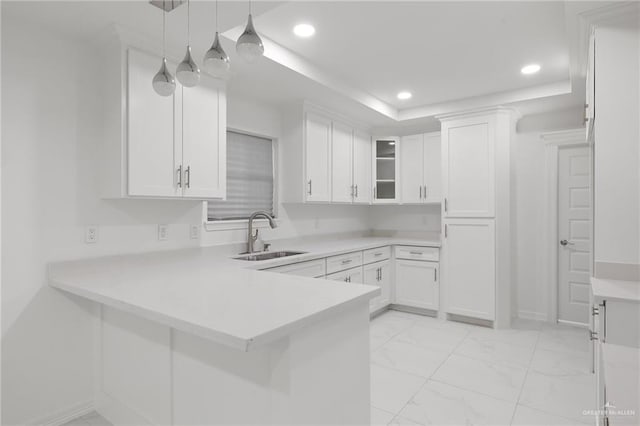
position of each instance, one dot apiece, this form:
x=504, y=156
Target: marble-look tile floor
x=426, y=371
x=91, y=419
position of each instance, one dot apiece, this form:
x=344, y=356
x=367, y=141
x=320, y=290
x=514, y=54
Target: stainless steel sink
x=269, y=255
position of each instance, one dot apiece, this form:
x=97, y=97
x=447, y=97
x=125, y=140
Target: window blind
x=249, y=178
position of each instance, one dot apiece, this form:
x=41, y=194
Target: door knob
x=566, y=242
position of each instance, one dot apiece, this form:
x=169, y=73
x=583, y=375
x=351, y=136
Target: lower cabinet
x=417, y=284
x=379, y=274
x=468, y=267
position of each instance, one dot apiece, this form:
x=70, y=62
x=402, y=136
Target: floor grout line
x=524, y=381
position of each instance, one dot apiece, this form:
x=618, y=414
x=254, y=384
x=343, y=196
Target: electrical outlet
x=91, y=234
x=163, y=232
x=194, y=232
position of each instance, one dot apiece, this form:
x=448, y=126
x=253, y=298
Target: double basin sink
x=268, y=255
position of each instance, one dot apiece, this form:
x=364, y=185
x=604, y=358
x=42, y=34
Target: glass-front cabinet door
x=385, y=170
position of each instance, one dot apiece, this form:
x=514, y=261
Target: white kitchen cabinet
x=161, y=147
x=468, y=267
x=361, y=168
x=385, y=170
x=318, y=157
x=416, y=284
x=353, y=275
x=342, y=188
x=311, y=268
x=468, y=162
x=154, y=143
x=379, y=274
x=420, y=168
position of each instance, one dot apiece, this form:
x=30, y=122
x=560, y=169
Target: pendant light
x=188, y=72
x=216, y=60
x=249, y=46
x=163, y=82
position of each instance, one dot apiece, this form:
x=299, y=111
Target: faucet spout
x=251, y=238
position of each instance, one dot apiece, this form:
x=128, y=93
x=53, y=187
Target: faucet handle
x=266, y=246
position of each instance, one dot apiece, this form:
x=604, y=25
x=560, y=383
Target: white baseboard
x=66, y=415
x=532, y=315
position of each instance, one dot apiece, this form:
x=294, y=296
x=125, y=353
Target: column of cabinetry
x=476, y=247
x=420, y=168
x=161, y=147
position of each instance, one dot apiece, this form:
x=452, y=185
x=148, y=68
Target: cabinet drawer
x=311, y=268
x=343, y=261
x=353, y=275
x=417, y=253
x=376, y=254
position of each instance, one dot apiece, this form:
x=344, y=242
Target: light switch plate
x=163, y=232
x=91, y=234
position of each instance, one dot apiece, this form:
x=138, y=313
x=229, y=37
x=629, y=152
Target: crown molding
x=514, y=113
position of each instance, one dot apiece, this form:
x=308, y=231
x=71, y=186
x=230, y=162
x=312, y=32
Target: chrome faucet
x=252, y=238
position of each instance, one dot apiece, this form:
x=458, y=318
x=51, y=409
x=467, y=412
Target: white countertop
x=622, y=381
x=205, y=292
x=605, y=289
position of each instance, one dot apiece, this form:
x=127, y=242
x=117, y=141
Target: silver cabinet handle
x=435, y=274
x=187, y=175
x=309, y=183
x=421, y=192
x=425, y=192
x=445, y=205
x=356, y=191
x=445, y=231
x=566, y=242
x=416, y=253
x=346, y=261
x=179, y=172
x=377, y=254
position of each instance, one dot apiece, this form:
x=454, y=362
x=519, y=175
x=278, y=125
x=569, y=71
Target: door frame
x=553, y=142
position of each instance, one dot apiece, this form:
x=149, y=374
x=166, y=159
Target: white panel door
x=468, y=267
x=433, y=168
x=574, y=232
x=204, y=140
x=152, y=155
x=417, y=284
x=318, y=158
x=411, y=169
x=362, y=168
x=341, y=163
x=468, y=168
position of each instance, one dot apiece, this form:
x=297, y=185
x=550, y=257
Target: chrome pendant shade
x=249, y=46
x=188, y=72
x=163, y=82
x=216, y=60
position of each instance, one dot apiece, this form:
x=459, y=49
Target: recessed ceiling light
x=404, y=95
x=304, y=30
x=530, y=69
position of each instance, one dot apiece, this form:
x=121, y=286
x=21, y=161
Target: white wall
x=50, y=135
x=531, y=290
x=405, y=218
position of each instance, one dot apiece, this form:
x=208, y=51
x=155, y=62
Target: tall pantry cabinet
x=476, y=211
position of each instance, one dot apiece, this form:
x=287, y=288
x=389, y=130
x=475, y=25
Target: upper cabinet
x=468, y=162
x=318, y=158
x=385, y=170
x=420, y=168
x=331, y=165
x=162, y=147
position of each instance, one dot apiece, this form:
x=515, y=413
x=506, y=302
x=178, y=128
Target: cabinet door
x=417, y=284
x=378, y=274
x=432, y=168
x=411, y=169
x=341, y=163
x=154, y=154
x=385, y=170
x=318, y=158
x=468, y=168
x=362, y=168
x=468, y=267
x=204, y=140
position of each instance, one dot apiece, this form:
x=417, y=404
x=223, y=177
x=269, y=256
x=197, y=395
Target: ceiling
x=451, y=55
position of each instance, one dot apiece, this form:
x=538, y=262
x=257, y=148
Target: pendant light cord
x=216, y=15
x=188, y=22
x=164, y=14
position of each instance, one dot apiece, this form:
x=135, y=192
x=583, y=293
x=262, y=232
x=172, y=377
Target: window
x=249, y=178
